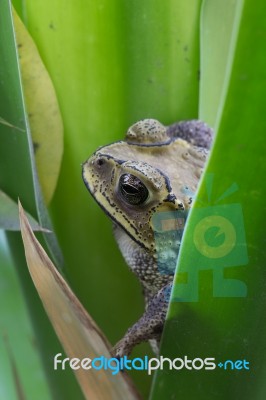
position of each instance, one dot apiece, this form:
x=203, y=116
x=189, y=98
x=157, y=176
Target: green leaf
x=216, y=52
x=21, y=370
x=9, y=220
x=4, y=122
x=220, y=311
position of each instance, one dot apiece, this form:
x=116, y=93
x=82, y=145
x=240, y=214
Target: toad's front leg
x=149, y=326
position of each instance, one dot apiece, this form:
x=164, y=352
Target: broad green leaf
x=216, y=52
x=21, y=370
x=162, y=59
x=78, y=333
x=222, y=314
x=9, y=219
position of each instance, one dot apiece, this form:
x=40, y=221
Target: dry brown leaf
x=78, y=333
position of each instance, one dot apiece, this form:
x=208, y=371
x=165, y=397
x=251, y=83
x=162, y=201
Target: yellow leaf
x=43, y=110
x=78, y=333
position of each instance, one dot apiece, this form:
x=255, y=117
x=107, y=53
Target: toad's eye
x=132, y=190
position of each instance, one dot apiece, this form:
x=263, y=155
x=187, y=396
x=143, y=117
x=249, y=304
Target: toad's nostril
x=100, y=162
